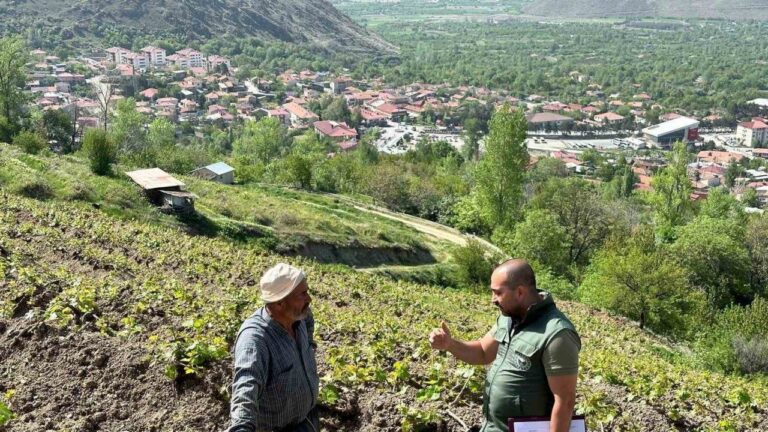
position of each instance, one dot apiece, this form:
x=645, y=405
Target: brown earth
x=83, y=380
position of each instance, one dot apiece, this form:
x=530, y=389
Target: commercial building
x=665, y=134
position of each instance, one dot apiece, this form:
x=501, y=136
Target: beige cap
x=279, y=281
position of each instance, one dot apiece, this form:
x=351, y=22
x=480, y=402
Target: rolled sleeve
x=249, y=378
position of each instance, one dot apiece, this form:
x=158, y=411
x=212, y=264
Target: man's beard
x=514, y=314
x=303, y=314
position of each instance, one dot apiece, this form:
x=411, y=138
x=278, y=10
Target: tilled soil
x=85, y=381
x=88, y=382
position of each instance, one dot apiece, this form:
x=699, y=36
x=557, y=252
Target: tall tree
x=472, y=132
x=260, y=142
x=128, y=127
x=13, y=57
x=57, y=126
x=734, y=171
x=671, y=197
x=500, y=174
x=337, y=110
x=640, y=283
x=713, y=252
x=581, y=211
x=541, y=238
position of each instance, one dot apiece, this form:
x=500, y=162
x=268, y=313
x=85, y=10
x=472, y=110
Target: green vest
x=516, y=384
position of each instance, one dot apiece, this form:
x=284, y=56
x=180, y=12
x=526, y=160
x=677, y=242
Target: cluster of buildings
x=195, y=88
x=157, y=58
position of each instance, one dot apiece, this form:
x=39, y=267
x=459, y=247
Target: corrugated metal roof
x=671, y=126
x=219, y=168
x=154, y=178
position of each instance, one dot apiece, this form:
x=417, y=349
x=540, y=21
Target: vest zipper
x=486, y=401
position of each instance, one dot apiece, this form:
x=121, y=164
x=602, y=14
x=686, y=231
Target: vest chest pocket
x=522, y=355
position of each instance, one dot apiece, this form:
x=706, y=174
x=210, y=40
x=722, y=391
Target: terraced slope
x=292, y=222
x=109, y=324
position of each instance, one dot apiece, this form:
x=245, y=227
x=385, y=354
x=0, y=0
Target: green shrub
x=101, y=151
x=736, y=340
x=30, y=142
x=37, y=189
x=752, y=354
x=473, y=267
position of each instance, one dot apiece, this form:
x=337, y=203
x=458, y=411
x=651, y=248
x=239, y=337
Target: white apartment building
x=156, y=55
x=752, y=132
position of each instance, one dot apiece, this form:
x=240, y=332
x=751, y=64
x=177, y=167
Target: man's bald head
x=517, y=272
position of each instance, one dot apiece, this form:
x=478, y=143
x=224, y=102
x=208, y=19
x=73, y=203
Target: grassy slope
x=133, y=285
x=295, y=218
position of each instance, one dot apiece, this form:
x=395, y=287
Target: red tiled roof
x=369, y=115
x=713, y=169
x=149, y=93
x=719, y=157
x=547, y=118
x=334, y=130
x=388, y=108
x=299, y=111
x=754, y=124
x=610, y=116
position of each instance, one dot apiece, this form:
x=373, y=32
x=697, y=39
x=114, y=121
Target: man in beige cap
x=275, y=381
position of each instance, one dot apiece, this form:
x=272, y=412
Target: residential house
x=283, y=116
x=752, y=133
x=388, y=110
x=609, y=118
x=337, y=132
x=149, y=93
x=548, y=120
x=300, y=116
x=554, y=107
x=191, y=83
x=719, y=157
x=339, y=85
x=372, y=118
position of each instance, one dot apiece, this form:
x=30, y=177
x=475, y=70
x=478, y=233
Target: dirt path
x=434, y=229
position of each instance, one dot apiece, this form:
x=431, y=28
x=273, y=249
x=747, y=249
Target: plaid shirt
x=275, y=381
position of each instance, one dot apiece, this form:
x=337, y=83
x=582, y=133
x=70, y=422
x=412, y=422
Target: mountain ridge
x=297, y=21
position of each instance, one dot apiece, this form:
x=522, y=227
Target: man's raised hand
x=440, y=338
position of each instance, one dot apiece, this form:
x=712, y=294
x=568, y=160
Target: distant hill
x=720, y=9
x=298, y=21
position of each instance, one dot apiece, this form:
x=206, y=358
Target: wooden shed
x=163, y=190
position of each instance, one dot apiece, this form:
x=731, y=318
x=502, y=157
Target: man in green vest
x=534, y=349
